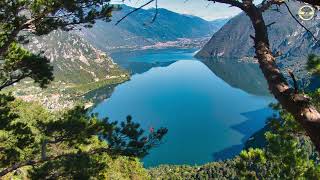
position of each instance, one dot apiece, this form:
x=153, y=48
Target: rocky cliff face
x=233, y=39
x=79, y=68
x=74, y=59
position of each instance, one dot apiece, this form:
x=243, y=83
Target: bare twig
x=295, y=83
x=269, y=25
x=314, y=37
x=10, y=81
x=156, y=14
x=137, y=9
x=265, y=5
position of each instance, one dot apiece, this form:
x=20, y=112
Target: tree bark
x=10, y=82
x=298, y=105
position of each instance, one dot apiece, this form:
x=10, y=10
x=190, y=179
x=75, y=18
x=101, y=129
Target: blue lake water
x=210, y=108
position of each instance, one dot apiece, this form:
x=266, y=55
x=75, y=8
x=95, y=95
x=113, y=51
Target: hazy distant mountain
x=218, y=23
x=233, y=39
x=137, y=30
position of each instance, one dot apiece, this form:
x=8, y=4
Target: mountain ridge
x=286, y=35
x=137, y=31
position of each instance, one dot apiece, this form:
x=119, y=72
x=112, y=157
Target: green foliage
x=5, y=112
x=47, y=15
x=216, y=170
x=251, y=163
x=128, y=138
x=313, y=64
x=165, y=172
x=84, y=165
x=20, y=136
x=87, y=165
x=20, y=63
x=68, y=144
x=288, y=154
x=85, y=88
x=126, y=168
x=315, y=98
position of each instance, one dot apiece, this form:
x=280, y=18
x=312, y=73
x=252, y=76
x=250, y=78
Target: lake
x=210, y=107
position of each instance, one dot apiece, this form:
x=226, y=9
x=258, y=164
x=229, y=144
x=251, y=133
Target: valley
x=78, y=69
x=101, y=70
x=164, y=90
x=136, y=32
x=82, y=63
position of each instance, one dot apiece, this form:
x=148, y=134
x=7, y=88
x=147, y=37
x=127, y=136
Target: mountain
x=218, y=23
x=79, y=56
x=137, y=31
x=79, y=69
x=233, y=39
x=74, y=59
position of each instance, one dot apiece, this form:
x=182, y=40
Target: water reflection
x=138, y=62
x=241, y=75
x=100, y=94
x=201, y=111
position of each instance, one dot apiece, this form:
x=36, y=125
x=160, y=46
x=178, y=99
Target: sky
x=201, y=8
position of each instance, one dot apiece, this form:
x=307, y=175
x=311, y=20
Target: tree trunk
x=298, y=105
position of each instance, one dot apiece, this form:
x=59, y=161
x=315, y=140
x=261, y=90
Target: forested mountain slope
x=233, y=39
x=286, y=35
